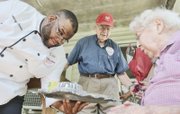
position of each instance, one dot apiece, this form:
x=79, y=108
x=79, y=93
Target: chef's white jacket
x=29, y=57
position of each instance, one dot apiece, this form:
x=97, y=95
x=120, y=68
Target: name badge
x=110, y=51
x=50, y=60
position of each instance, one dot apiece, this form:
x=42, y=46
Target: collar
x=106, y=43
x=40, y=25
x=171, y=40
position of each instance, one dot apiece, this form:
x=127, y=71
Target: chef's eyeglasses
x=60, y=32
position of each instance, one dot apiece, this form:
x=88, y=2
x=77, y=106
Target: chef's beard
x=45, y=33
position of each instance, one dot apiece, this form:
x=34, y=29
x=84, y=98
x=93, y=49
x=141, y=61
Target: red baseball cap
x=105, y=19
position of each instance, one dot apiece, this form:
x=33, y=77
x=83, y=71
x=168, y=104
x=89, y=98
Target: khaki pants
x=105, y=86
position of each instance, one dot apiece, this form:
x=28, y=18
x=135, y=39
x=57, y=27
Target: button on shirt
x=29, y=57
x=164, y=86
x=92, y=58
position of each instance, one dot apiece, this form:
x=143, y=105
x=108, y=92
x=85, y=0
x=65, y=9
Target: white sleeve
x=50, y=101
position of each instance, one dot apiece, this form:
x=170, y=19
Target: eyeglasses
x=60, y=35
x=60, y=32
x=139, y=32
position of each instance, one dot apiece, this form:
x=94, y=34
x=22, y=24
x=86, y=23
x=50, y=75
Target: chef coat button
x=24, y=40
x=26, y=59
x=11, y=75
x=20, y=66
x=2, y=55
x=38, y=54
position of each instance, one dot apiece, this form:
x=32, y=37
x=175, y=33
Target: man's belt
x=98, y=76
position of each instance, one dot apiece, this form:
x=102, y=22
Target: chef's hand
x=68, y=106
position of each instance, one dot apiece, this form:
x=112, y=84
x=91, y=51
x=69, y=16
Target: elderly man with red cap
x=99, y=59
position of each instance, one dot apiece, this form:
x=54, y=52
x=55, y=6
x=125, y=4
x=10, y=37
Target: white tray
x=71, y=96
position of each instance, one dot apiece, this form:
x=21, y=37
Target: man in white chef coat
x=30, y=46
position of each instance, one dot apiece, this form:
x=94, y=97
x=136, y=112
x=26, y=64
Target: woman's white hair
x=171, y=19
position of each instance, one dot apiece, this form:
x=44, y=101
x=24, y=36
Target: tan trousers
x=105, y=86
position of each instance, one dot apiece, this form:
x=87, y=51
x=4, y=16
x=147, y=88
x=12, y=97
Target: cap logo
x=107, y=18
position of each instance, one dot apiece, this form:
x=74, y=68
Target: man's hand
x=125, y=96
x=69, y=107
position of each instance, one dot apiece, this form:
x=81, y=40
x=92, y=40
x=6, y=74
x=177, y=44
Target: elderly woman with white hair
x=158, y=35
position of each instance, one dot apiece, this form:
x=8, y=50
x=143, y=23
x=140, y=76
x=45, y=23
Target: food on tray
x=72, y=91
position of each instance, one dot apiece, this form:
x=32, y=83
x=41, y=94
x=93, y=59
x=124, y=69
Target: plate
x=71, y=96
